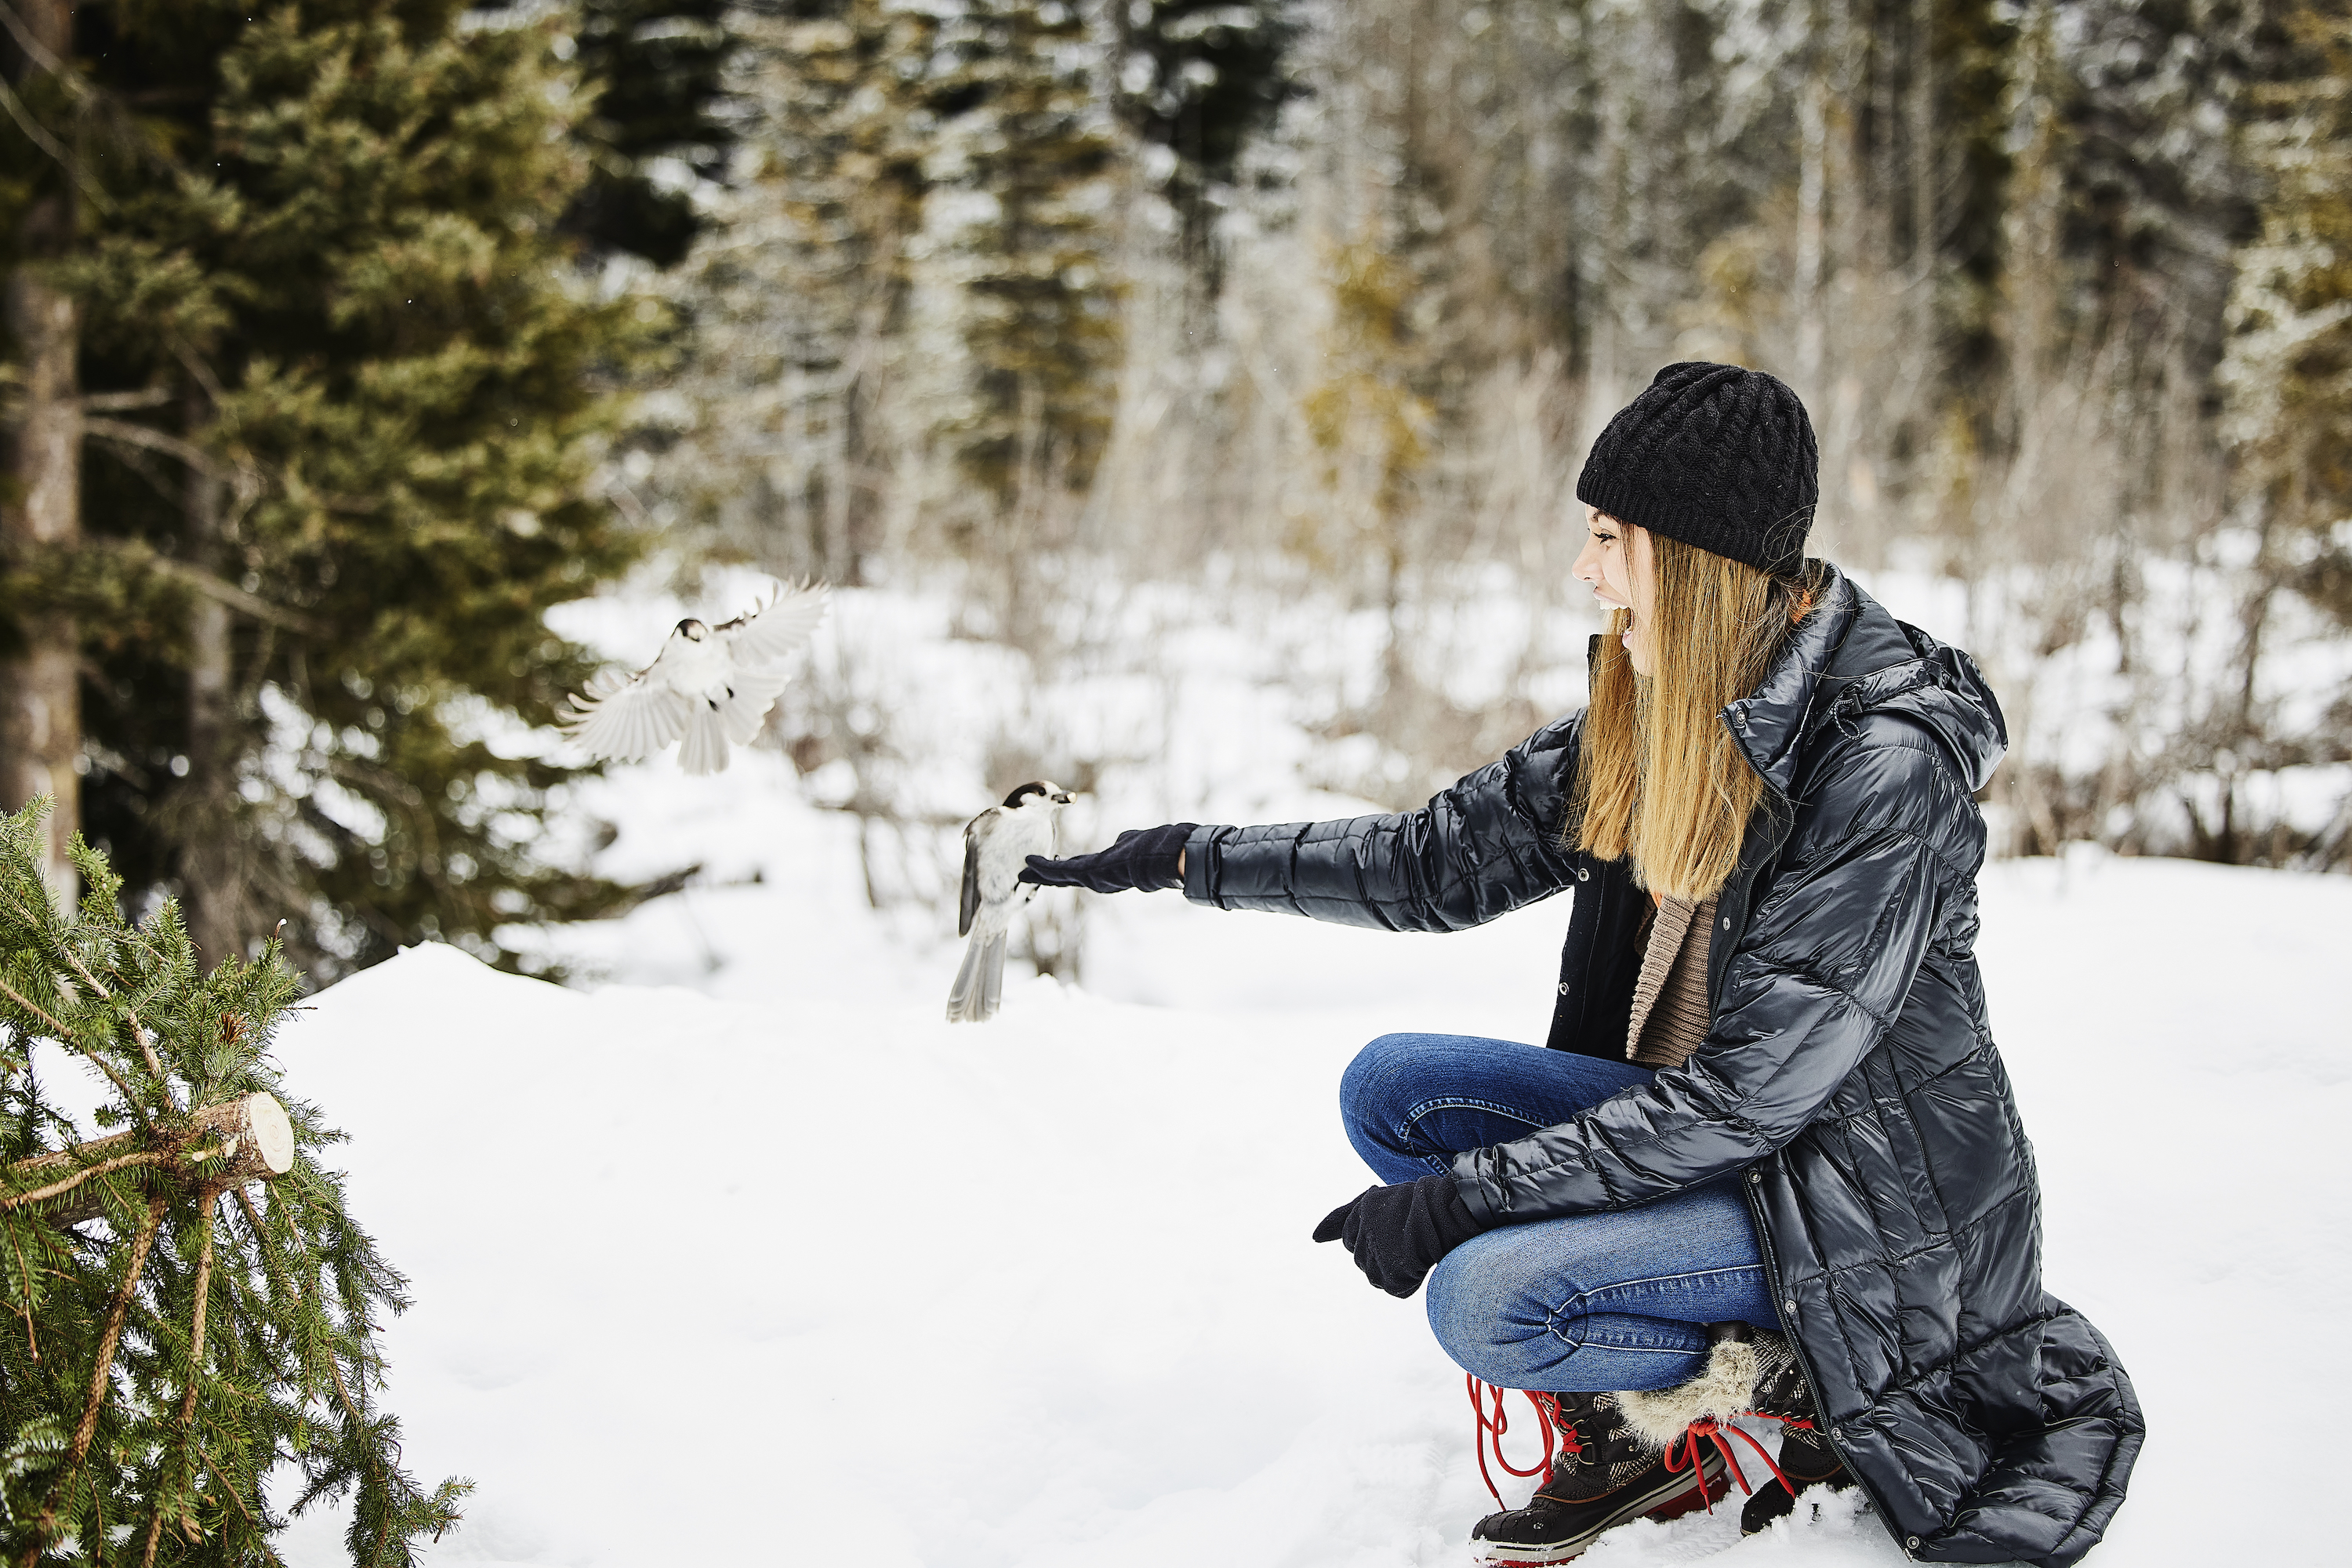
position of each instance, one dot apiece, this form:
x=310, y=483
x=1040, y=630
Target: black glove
x=1141, y=857
x=1398, y=1234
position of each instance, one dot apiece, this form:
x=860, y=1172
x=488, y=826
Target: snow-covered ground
x=746, y=1257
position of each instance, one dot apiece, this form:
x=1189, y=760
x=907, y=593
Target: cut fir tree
x=189, y=1308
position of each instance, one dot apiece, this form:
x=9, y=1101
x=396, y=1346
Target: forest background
x=345, y=338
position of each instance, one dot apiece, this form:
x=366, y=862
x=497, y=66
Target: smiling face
x=1618, y=565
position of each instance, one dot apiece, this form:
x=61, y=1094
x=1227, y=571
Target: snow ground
x=749, y=1257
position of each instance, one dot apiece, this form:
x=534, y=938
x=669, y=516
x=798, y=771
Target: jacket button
x=1563, y=987
x=1912, y=1542
x=1727, y=923
x=1755, y=1175
x=1789, y=1305
x=1582, y=875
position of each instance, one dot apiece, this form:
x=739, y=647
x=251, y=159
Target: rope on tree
x=177, y=1352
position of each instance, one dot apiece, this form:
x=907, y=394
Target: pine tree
x=1200, y=78
x=2288, y=378
x=658, y=69
x=2289, y=372
x=344, y=395
x=1026, y=130
x=183, y=1323
x=797, y=298
x=921, y=259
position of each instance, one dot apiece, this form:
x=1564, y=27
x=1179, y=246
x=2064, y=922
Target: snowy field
x=746, y=1257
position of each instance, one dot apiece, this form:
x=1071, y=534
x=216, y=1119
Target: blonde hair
x=1658, y=777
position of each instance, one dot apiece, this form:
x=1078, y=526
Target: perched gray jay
x=996, y=844
x=709, y=684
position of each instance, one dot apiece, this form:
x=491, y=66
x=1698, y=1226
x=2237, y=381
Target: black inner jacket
x=1849, y=1069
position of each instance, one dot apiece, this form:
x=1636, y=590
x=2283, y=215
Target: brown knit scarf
x=1669, y=1016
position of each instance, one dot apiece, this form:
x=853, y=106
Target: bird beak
x=1064, y=798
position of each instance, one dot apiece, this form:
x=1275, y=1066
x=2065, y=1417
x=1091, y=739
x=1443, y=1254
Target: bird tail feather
x=980, y=983
x=704, y=749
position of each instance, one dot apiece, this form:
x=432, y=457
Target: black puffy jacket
x=1849, y=1070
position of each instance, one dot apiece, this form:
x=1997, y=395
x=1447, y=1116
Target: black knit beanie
x=1715, y=456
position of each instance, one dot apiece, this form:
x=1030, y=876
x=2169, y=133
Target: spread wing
x=623, y=718
x=766, y=634
x=752, y=693
x=968, y=904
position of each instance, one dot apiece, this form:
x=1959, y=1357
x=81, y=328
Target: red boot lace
x=1559, y=1436
x=1560, y=1439
x=1686, y=1451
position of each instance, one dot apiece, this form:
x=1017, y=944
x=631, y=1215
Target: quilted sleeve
x=1818, y=977
x=1481, y=848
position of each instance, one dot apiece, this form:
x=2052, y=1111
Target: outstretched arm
x=1480, y=849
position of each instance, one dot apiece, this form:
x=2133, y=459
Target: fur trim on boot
x=1738, y=1361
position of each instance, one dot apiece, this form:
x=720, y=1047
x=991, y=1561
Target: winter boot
x=1605, y=1474
x=1748, y=1372
x=1806, y=1458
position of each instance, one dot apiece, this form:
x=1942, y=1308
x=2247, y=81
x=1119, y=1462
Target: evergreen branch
x=139, y=1030
x=65, y=1038
x=261, y=1246
x=18, y=997
x=343, y=1390
x=143, y=1157
x=228, y=1130
x=101, y=1377
x=246, y=477
x=229, y=1491
x=145, y=557
x=206, y=1206
x=24, y=1307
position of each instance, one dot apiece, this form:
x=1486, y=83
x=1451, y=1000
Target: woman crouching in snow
x=1768, y=1162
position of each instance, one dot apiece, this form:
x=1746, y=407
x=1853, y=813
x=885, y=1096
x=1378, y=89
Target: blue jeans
x=1591, y=1304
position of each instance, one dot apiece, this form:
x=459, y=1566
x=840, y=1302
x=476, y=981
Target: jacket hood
x=1849, y=658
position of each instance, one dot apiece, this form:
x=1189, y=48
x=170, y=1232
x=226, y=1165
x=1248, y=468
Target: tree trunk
x=206, y=809
x=1812, y=137
x=40, y=697
x=252, y=1138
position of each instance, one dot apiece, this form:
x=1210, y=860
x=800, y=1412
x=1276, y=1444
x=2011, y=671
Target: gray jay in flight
x=710, y=685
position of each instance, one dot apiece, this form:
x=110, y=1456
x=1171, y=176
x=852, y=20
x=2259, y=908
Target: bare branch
x=132, y=435
x=34, y=50
x=104, y=401
x=34, y=131
x=236, y=599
